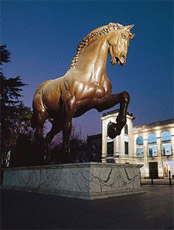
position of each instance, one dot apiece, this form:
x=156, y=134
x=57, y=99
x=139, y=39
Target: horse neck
x=94, y=58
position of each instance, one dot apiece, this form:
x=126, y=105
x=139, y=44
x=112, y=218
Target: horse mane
x=92, y=35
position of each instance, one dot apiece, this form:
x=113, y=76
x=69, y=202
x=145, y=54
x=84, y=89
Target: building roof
x=116, y=111
x=94, y=137
x=157, y=123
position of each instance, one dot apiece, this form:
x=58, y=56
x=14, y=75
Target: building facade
x=151, y=145
x=95, y=146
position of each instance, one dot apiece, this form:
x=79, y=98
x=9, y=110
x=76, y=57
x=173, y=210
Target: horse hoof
x=112, y=130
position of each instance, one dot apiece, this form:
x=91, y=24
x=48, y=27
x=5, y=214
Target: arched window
x=151, y=139
x=166, y=144
x=139, y=140
x=139, y=147
x=152, y=148
x=165, y=136
x=108, y=125
x=126, y=129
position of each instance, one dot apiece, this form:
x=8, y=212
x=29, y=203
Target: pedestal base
x=82, y=180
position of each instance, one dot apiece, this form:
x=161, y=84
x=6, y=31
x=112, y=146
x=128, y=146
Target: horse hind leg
x=65, y=126
x=38, y=121
x=38, y=141
x=55, y=129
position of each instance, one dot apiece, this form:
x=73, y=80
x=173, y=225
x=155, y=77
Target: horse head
x=118, y=41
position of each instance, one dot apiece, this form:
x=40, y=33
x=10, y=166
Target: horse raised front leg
x=114, y=129
x=123, y=98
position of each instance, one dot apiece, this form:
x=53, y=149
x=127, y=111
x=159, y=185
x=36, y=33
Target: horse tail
x=37, y=104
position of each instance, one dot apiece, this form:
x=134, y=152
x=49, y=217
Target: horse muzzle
x=122, y=60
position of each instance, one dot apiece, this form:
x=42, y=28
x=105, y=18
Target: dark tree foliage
x=79, y=148
x=14, y=117
x=5, y=54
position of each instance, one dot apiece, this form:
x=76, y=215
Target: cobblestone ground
x=151, y=210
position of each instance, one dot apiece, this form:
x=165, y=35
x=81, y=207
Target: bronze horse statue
x=85, y=86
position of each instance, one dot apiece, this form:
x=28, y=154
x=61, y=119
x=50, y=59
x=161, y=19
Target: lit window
x=165, y=136
x=166, y=144
x=152, y=151
x=152, y=148
x=140, y=148
x=126, y=147
x=167, y=149
x=139, y=140
x=140, y=151
x=151, y=139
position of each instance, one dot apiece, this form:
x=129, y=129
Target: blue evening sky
x=42, y=37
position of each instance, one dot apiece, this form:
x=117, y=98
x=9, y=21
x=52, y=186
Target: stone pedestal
x=82, y=180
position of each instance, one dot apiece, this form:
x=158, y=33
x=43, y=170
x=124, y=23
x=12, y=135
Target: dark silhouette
x=15, y=117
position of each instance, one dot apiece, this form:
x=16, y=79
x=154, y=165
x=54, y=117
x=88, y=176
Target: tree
x=79, y=148
x=14, y=117
x=5, y=55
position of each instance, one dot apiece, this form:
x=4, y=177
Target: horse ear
x=131, y=35
x=128, y=27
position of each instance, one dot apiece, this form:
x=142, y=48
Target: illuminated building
x=151, y=145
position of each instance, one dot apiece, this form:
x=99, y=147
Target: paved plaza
x=151, y=210
x=164, y=181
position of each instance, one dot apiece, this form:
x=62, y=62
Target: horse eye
x=124, y=36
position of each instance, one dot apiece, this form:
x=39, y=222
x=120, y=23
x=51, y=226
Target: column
x=104, y=141
x=160, y=165
x=146, y=165
x=172, y=143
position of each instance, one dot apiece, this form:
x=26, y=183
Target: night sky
x=42, y=37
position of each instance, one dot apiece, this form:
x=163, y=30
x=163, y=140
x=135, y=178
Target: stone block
x=79, y=180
